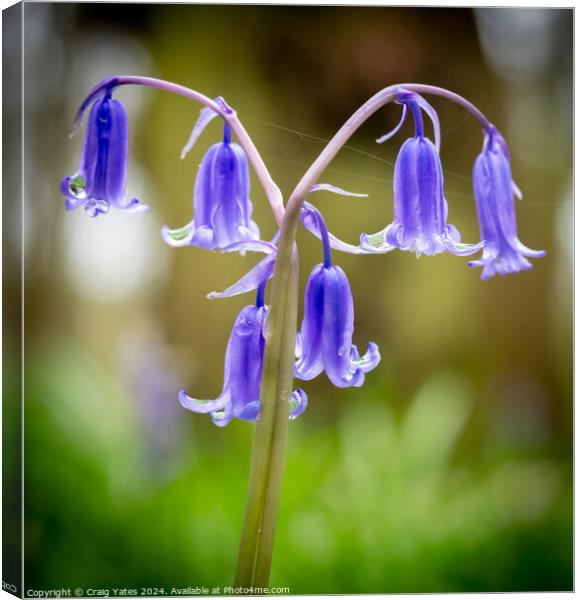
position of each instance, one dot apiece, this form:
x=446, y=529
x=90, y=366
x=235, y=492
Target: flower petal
x=223, y=416
x=135, y=207
x=309, y=344
x=369, y=361
x=250, y=412
x=178, y=237
x=205, y=406
x=376, y=243
x=528, y=251
x=460, y=249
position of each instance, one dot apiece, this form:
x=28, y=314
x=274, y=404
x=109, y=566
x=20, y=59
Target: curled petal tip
x=370, y=360
x=375, y=243
x=178, y=237
x=137, y=207
x=529, y=252
x=183, y=398
x=221, y=418
x=203, y=406
x=460, y=249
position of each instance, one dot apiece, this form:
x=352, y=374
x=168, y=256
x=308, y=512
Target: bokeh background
x=450, y=470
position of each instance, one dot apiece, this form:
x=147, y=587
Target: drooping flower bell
x=325, y=339
x=101, y=177
x=494, y=197
x=222, y=208
x=420, y=223
x=240, y=397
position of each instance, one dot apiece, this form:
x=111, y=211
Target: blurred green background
x=450, y=470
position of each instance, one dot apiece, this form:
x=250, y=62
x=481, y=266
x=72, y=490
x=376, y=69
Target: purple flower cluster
x=222, y=220
x=420, y=223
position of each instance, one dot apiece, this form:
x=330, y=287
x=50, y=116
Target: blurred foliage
x=450, y=470
x=373, y=503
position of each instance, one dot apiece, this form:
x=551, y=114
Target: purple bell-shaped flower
x=420, y=223
x=325, y=339
x=494, y=197
x=240, y=397
x=101, y=177
x=222, y=208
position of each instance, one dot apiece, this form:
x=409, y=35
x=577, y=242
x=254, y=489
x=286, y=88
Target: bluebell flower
x=420, y=223
x=325, y=339
x=222, y=208
x=494, y=197
x=100, y=180
x=240, y=397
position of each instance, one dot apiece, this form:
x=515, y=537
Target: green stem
x=268, y=452
x=279, y=368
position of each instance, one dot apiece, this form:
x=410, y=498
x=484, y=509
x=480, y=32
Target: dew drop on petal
x=77, y=185
x=94, y=208
x=244, y=327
